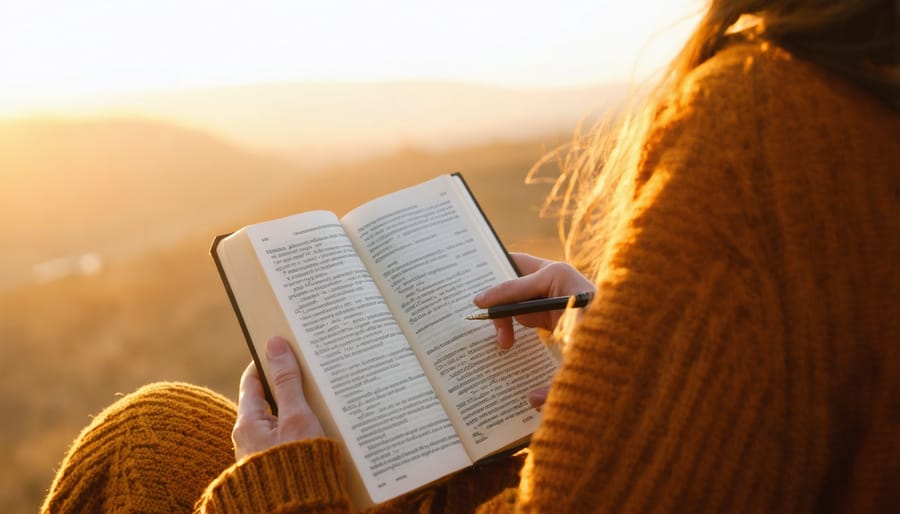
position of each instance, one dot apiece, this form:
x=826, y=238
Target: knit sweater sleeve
x=305, y=476
x=668, y=399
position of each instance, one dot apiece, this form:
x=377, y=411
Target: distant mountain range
x=118, y=175
x=93, y=191
x=119, y=187
x=324, y=123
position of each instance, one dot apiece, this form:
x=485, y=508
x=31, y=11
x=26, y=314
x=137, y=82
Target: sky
x=56, y=50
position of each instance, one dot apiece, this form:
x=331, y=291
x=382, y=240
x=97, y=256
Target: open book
x=375, y=305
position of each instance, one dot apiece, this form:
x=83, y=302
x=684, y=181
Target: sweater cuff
x=294, y=475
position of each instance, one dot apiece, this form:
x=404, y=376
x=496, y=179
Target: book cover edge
x=516, y=447
x=213, y=250
x=488, y=222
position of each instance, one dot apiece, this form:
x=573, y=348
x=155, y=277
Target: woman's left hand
x=256, y=429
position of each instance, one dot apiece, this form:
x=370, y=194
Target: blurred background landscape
x=120, y=160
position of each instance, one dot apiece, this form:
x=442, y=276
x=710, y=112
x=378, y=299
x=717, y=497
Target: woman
x=740, y=354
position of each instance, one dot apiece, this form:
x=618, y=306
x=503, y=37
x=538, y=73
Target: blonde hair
x=857, y=39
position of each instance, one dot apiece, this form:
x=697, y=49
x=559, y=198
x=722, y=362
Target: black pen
x=531, y=306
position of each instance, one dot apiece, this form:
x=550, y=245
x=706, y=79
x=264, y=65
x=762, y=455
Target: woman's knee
x=168, y=405
x=163, y=442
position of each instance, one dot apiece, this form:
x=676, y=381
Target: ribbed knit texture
x=277, y=485
x=742, y=353
x=154, y=450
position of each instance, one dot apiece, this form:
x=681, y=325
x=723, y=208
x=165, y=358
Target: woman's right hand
x=541, y=279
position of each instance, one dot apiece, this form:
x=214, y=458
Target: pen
x=531, y=306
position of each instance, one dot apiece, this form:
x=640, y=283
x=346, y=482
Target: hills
x=118, y=187
x=327, y=122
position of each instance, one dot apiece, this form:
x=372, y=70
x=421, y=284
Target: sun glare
x=54, y=52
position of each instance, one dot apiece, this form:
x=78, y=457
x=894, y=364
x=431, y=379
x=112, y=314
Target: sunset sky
x=57, y=51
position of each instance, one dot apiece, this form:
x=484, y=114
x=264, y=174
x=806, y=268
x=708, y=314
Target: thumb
x=285, y=372
x=296, y=419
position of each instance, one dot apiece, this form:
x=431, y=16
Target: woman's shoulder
x=744, y=75
x=743, y=64
x=754, y=97
x=774, y=82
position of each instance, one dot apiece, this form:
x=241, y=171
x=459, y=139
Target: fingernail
x=479, y=297
x=538, y=395
x=502, y=340
x=538, y=398
x=276, y=347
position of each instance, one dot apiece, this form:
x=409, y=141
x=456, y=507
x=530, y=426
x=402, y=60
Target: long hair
x=856, y=39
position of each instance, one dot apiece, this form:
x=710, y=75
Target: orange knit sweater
x=743, y=351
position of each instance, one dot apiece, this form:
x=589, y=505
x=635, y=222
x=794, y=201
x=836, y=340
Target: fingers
x=256, y=429
x=251, y=399
x=542, y=279
x=506, y=335
x=515, y=290
x=538, y=397
x=528, y=264
x=253, y=416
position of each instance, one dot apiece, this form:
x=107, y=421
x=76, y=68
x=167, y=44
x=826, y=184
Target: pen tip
x=479, y=316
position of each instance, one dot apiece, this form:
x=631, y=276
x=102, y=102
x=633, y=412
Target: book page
x=385, y=408
x=431, y=252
